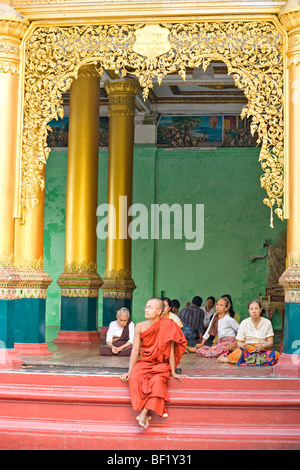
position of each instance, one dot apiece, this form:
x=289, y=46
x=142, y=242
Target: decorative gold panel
x=252, y=51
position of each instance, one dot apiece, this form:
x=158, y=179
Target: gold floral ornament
x=252, y=51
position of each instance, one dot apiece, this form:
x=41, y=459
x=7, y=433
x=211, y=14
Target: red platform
x=59, y=411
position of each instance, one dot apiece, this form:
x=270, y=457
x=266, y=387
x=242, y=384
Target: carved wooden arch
x=251, y=49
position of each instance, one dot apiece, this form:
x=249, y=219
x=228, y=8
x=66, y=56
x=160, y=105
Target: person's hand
x=125, y=377
x=232, y=346
x=114, y=350
x=179, y=376
x=260, y=346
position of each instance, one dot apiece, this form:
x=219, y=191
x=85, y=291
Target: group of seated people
x=247, y=343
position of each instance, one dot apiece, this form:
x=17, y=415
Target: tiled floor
x=84, y=359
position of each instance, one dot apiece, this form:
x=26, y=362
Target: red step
x=45, y=411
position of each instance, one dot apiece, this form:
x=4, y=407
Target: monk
x=162, y=343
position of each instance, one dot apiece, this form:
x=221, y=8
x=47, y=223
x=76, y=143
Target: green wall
x=236, y=223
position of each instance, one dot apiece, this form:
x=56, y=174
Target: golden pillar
x=118, y=285
x=12, y=28
x=80, y=282
x=289, y=362
x=33, y=281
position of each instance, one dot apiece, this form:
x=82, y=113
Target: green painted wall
x=236, y=223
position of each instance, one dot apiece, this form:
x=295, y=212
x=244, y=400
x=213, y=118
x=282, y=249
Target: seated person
x=254, y=340
x=119, y=337
x=230, y=310
x=160, y=344
x=167, y=312
x=209, y=310
x=223, y=326
x=175, y=306
x=192, y=318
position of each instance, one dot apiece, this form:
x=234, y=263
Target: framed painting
x=59, y=133
x=237, y=132
x=190, y=131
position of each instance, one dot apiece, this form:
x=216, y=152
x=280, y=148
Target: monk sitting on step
x=161, y=344
x=119, y=337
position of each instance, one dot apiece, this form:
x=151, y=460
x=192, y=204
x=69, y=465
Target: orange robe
x=149, y=376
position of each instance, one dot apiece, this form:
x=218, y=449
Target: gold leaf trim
x=252, y=51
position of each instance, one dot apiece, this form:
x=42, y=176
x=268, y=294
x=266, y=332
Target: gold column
x=80, y=278
x=12, y=29
x=117, y=281
x=29, y=237
x=32, y=282
x=289, y=361
x=290, y=17
x=82, y=178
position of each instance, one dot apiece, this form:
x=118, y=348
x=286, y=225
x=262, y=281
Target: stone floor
x=83, y=358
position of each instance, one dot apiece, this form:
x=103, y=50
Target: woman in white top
x=119, y=337
x=223, y=326
x=254, y=340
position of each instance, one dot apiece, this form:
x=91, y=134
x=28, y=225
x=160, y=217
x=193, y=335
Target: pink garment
x=221, y=347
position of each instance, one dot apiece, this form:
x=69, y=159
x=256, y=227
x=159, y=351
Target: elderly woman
x=254, y=340
x=119, y=337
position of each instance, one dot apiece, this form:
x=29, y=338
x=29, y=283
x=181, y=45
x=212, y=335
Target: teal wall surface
x=236, y=223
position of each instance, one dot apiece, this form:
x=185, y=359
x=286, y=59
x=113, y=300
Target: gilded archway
x=253, y=51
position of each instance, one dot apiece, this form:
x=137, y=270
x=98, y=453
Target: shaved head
x=157, y=302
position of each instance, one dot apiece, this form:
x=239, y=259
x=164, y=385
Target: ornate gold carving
x=80, y=280
x=83, y=267
x=291, y=22
x=8, y=282
x=80, y=283
x=120, y=274
x=32, y=283
x=87, y=71
x=118, y=284
x=11, y=32
x=79, y=292
x=6, y=260
x=290, y=17
x=290, y=279
x=25, y=263
x=252, y=51
x=292, y=296
x=293, y=260
x=122, y=97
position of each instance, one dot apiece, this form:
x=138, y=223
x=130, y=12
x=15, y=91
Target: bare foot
x=143, y=418
x=223, y=359
x=148, y=419
x=190, y=349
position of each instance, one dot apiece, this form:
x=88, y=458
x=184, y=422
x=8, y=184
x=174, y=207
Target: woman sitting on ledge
x=223, y=326
x=254, y=340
